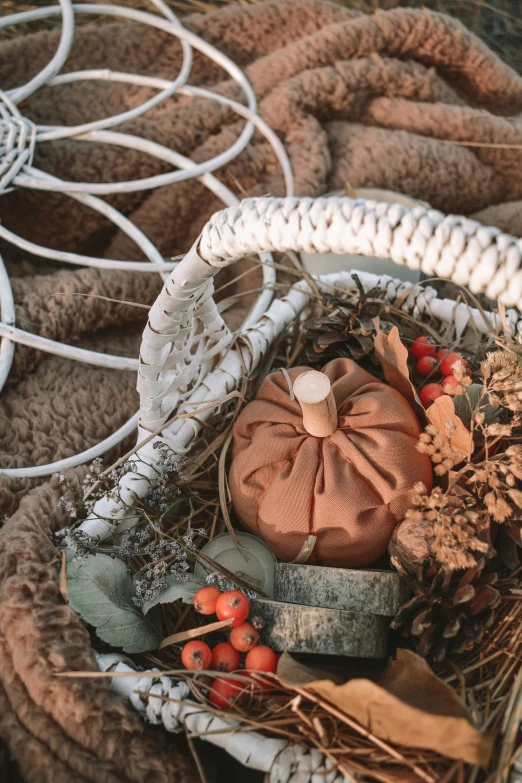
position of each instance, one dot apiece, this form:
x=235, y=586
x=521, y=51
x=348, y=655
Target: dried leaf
x=393, y=356
x=407, y=704
x=441, y=414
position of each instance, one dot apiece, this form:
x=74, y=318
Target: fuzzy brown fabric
x=371, y=101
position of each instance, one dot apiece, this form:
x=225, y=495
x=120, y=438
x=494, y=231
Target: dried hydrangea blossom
x=440, y=450
x=502, y=373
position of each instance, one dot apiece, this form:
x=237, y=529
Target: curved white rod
x=168, y=88
x=105, y=74
x=119, y=220
x=161, y=179
x=78, y=459
x=247, y=112
x=147, y=183
x=54, y=132
x=149, y=19
x=68, y=351
x=54, y=65
x=7, y=314
x=215, y=186
x=89, y=261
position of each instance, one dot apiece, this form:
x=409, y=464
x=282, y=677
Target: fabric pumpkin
x=349, y=489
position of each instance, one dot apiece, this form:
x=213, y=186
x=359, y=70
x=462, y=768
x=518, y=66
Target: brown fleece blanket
x=371, y=101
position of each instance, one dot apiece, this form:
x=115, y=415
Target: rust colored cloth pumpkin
x=348, y=489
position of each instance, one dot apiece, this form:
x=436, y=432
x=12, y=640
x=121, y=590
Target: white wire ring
x=7, y=346
x=161, y=179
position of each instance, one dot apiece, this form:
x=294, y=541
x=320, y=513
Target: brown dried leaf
x=407, y=705
x=393, y=356
x=441, y=414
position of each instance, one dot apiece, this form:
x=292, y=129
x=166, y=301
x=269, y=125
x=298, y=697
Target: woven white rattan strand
x=162, y=700
x=19, y=136
x=446, y=246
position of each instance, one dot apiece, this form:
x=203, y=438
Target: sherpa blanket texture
x=366, y=100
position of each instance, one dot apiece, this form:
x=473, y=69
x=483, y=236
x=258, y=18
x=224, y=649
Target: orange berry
x=223, y=693
x=225, y=658
x=426, y=365
x=446, y=365
x=449, y=384
x=423, y=346
x=244, y=637
x=206, y=599
x=430, y=392
x=233, y=604
x=261, y=659
x=196, y=655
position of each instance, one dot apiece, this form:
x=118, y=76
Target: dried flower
x=440, y=449
x=502, y=370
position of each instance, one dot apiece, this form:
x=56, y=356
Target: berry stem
x=176, y=638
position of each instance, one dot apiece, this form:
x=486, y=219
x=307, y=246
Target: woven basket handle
x=448, y=246
x=185, y=331
x=183, y=358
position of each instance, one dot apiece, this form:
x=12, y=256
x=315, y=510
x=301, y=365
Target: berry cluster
x=225, y=657
x=442, y=361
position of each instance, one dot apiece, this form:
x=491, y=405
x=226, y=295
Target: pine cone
x=450, y=610
x=330, y=339
x=345, y=332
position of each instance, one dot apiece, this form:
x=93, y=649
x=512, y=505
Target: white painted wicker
x=19, y=137
x=189, y=358
x=162, y=700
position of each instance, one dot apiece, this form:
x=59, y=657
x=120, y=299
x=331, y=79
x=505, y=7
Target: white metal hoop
x=19, y=137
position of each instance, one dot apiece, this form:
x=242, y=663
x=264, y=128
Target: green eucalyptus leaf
x=463, y=408
x=100, y=590
x=176, y=589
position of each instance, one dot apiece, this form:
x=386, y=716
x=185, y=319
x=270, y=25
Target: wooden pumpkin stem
x=314, y=392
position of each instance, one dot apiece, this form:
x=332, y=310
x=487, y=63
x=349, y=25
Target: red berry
x=423, y=346
x=225, y=658
x=426, y=365
x=441, y=354
x=244, y=637
x=196, y=655
x=256, y=686
x=449, y=384
x=446, y=365
x=223, y=693
x=261, y=659
x=430, y=392
x=233, y=604
x=205, y=600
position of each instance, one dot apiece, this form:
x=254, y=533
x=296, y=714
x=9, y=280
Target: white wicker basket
x=189, y=359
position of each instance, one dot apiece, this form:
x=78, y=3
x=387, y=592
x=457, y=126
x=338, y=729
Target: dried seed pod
x=409, y=546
